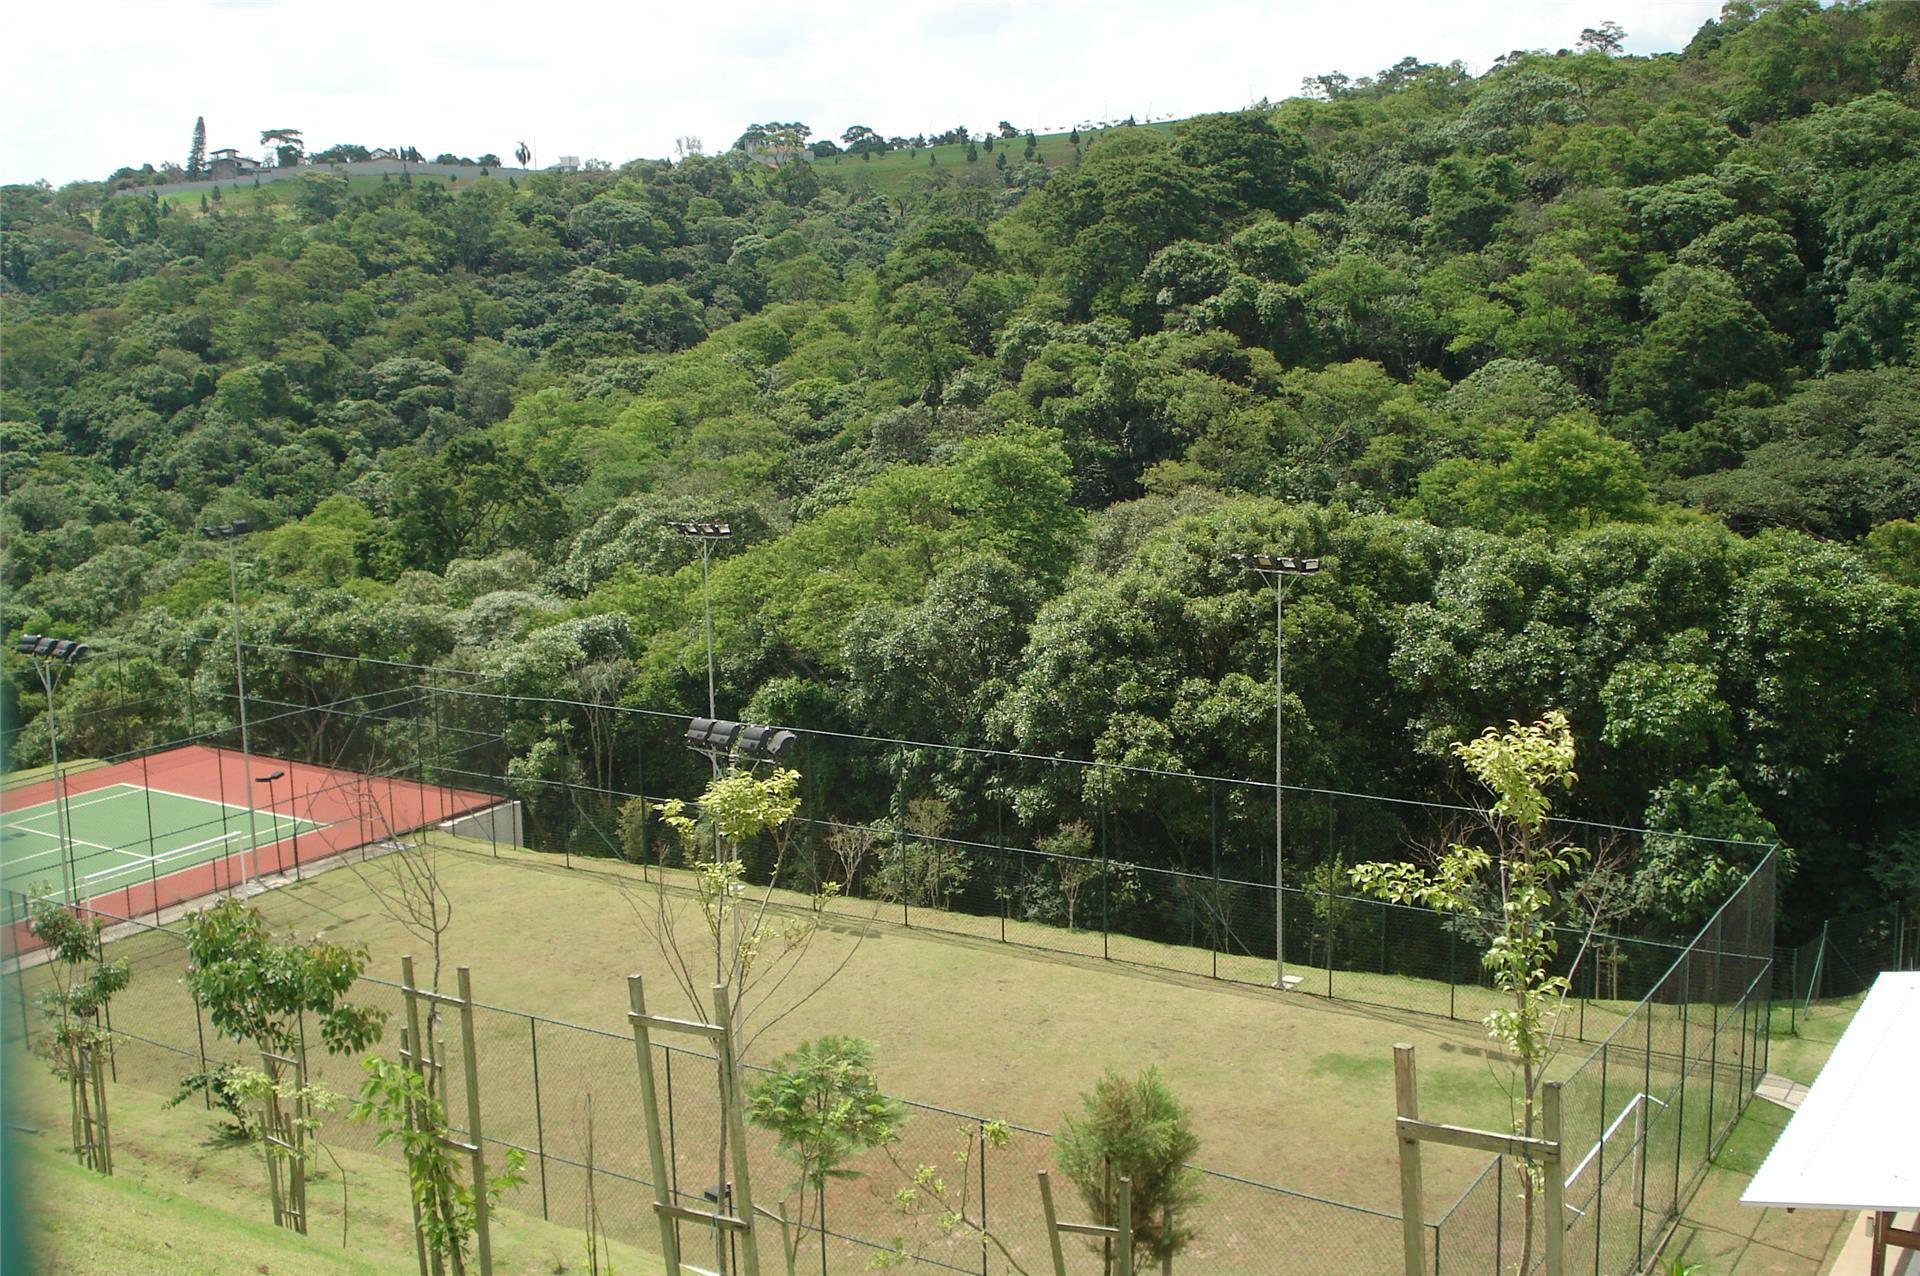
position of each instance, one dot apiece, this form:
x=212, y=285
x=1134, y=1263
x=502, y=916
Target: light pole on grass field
x=1275, y=568
x=717, y=739
x=273, y=813
x=230, y=534
x=52, y=657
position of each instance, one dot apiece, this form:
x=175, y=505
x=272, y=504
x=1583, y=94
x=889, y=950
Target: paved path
x=1777, y=1089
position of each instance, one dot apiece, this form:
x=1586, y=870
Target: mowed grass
x=1284, y=1088
x=33, y=775
x=1720, y=1233
x=186, y=1200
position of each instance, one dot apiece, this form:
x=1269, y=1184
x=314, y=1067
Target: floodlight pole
x=707, y=534
x=230, y=533
x=1276, y=568
x=41, y=652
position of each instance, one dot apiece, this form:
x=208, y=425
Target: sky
x=92, y=87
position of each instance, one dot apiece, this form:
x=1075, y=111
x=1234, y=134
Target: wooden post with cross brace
x=1412, y=1132
x=425, y=1054
x=732, y=1114
x=1121, y=1235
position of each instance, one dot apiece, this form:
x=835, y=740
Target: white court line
x=92, y=797
x=105, y=794
x=177, y=852
x=54, y=850
x=228, y=806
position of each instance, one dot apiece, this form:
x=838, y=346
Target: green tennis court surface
x=117, y=843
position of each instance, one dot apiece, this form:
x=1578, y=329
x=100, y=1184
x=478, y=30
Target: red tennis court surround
x=351, y=809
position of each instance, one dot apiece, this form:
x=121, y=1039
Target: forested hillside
x=1591, y=379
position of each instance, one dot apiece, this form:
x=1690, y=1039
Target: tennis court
x=159, y=830
x=124, y=834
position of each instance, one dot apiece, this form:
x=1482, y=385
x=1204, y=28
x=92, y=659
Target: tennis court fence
x=1126, y=863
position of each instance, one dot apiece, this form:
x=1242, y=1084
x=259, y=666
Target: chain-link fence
x=1643, y=1114
x=1646, y=1110
x=1845, y=957
x=544, y=1084
x=1208, y=875
x=1131, y=864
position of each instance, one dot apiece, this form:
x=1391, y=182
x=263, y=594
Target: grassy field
x=1286, y=1089
x=185, y=1200
x=1717, y=1231
x=34, y=775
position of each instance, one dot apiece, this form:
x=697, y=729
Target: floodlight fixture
x=771, y=743
x=701, y=530
x=268, y=779
x=227, y=531
x=64, y=650
x=711, y=734
x=758, y=742
x=1280, y=564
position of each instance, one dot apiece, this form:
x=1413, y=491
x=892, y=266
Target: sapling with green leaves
x=398, y=1100
x=1514, y=892
x=943, y=1206
x=262, y=992
x=750, y=945
x=824, y=1106
x=77, y=1044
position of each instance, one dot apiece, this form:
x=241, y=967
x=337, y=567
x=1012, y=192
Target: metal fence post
x=1646, y=1087
x=26, y=1028
x=539, y=1126
x=1600, y=1155
x=200, y=1036
x=1106, y=875
x=983, y=1198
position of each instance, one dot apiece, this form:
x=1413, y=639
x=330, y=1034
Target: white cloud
x=92, y=88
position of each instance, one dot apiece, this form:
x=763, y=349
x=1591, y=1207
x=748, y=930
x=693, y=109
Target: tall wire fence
x=1165, y=869
x=1133, y=864
x=1646, y=1110
x=1845, y=957
x=540, y=1076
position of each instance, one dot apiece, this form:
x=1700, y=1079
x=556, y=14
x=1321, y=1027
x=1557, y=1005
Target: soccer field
x=123, y=834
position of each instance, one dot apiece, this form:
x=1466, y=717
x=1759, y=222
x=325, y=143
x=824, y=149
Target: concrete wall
x=372, y=168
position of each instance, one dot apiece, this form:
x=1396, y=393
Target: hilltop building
x=228, y=163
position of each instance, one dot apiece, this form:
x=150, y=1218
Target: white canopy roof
x=1855, y=1142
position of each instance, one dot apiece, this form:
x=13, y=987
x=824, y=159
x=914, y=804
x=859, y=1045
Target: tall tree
x=288, y=146
x=197, y=152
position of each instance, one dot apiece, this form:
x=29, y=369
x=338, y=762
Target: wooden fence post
x=1406, y=1093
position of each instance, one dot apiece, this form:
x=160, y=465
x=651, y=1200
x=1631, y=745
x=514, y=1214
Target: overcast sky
x=90, y=87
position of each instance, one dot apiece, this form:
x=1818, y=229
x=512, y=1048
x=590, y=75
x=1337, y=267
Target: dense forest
x=1591, y=379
